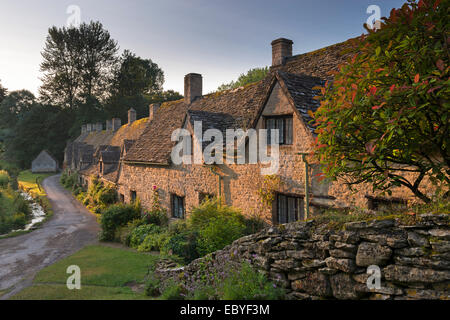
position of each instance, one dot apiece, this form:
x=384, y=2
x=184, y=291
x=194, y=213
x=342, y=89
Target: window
x=177, y=206
x=284, y=126
x=383, y=204
x=133, y=196
x=122, y=198
x=289, y=208
x=202, y=196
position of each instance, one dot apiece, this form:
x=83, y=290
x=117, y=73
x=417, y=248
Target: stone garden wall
x=315, y=262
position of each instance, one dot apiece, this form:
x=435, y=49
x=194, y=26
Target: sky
x=218, y=38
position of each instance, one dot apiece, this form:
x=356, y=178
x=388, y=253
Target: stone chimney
x=109, y=125
x=98, y=126
x=131, y=116
x=152, y=110
x=116, y=124
x=83, y=129
x=192, y=87
x=281, y=49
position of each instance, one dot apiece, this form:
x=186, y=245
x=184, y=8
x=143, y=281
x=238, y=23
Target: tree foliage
x=253, y=75
x=385, y=118
x=137, y=76
x=78, y=64
x=14, y=106
x=3, y=92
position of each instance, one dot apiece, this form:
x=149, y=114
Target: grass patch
x=105, y=273
x=60, y=292
x=31, y=182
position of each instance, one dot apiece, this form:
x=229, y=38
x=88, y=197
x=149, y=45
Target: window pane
x=282, y=210
x=301, y=209
x=292, y=214
x=270, y=124
x=280, y=127
x=289, y=131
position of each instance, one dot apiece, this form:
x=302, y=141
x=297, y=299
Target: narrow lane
x=71, y=228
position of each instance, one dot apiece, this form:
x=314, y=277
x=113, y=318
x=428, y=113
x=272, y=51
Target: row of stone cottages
x=137, y=156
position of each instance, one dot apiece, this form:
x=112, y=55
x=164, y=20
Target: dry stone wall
x=312, y=261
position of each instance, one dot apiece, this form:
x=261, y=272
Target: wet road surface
x=71, y=228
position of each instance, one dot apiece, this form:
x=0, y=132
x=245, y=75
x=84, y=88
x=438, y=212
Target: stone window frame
x=283, y=117
x=300, y=206
x=175, y=197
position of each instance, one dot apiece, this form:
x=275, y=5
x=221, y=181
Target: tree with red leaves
x=385, y=118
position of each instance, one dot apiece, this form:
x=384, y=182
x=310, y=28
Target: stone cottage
x=282, y=101
x=44, y=163
x=96, y=152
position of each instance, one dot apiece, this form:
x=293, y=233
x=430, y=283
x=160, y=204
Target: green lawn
x=105, y=273
x=27, y=182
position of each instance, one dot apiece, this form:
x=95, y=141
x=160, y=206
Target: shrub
x=174, y=291
x=157, y=217
x=4, y=179
x=254, y=224
x=183, y=244
x=106, y=196
x=154, y=241
x=123, y=234
x=21, y=205
x=19, y=220
x=220, y=232
x=116, y=216
x=139, y=234
x=152, y=286
x=13, y=184
x=249, y=284
x=69, y=180
x=217, y=225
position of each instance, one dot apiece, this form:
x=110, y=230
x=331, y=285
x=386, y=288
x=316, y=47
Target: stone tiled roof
x=127, y=144
x=320, y=62
x=111, y=155
x=96, y=138
x=129, y=132
x=241, y=107
x=300, y=90
x=90, y=170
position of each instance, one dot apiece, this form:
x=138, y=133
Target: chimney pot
x=89, y=127
x=192, y=87
x=152, y=110
x=131, y=116
x=83, y=129
x=281, y=49
x=98, y=126
x=116, y=124
x=108, y=124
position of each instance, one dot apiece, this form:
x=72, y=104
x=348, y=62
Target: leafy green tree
x=137, y=76
x=253, y=75
x=385, y=118
x=14, y=106
x=78, y=64
x=43, y=127
x=3, y=92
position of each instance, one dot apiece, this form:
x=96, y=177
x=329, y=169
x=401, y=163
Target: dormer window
x=284, y=126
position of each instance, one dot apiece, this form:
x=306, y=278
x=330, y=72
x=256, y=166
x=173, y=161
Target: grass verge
x=31, y=182
x=106, y=274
